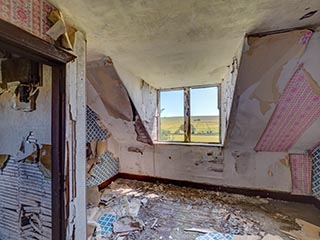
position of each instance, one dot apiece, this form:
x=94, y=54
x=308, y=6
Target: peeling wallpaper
x=301, y=173
x=29, y=189
x=298, y=108
x=109, y=165
x=30, y=15
x=265, y=72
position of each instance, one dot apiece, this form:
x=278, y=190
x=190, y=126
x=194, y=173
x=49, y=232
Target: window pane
x=205, y=126
x=171, y=115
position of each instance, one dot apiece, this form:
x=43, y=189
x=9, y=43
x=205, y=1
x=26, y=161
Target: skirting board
x=285, y=196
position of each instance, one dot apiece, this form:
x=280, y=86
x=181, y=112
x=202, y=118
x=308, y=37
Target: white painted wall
x=192, y=163
x=76, y=141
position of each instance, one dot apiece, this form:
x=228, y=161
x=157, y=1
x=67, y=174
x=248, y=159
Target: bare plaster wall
x=144, y=97
x=210, y=165
x=16, y=125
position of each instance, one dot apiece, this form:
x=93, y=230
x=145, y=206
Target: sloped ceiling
x=172, y=43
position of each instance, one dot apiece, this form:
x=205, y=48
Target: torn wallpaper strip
x=301, y=173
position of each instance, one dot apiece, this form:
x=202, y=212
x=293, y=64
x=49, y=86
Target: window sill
x=189, y=144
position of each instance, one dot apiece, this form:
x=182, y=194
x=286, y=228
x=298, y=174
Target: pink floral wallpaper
x=30, y=15
x=298, y=108
x=301, y=167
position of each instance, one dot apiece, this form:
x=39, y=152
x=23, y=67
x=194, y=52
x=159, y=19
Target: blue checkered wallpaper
x=94, y=132
x=316, y=172
x=106, y=169
x=215, y=236
x=109, y=165
x=106, y=221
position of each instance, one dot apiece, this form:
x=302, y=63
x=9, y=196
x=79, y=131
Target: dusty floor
x=164, y=211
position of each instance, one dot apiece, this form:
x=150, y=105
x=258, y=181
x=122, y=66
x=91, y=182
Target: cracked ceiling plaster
x=174, y=43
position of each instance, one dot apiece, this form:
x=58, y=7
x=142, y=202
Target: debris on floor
x=131, y=209
x=307, y=231
x=215, y=236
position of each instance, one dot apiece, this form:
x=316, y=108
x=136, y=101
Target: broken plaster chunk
x=127, y=224
x=42, y=155
x=285, y=161
x=57, y=30
x=270, y=173
x=102, y=147
x=135, y=149
x=3, y=160
x=272, y=237
x=61, y=30
x=307, y=231
x=93, y=196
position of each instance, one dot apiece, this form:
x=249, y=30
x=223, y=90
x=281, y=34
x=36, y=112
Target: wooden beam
x=187, y=124
x=23, y=43
x=58, y=132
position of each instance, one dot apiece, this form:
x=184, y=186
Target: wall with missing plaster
x=266, y=67
x=25, y=184
x=102, y=164
x=16, y=125
x=211, y=165
x=227, y=91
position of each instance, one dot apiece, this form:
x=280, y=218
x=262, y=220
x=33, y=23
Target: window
x=190, y=114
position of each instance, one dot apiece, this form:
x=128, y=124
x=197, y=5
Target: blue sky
x=203, y=102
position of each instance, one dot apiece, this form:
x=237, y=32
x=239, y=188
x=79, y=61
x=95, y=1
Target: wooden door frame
x=25, y=44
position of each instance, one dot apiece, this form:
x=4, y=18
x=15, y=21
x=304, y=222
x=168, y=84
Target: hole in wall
x=308, y=15
x=169, y=157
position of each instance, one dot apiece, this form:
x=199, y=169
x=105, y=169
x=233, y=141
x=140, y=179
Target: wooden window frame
x=16, y=40
x=187, y=115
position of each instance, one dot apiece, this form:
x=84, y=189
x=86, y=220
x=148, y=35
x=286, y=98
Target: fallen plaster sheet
x=307, y=231
x=163, y=211
x=301, y=173
x=298, y=108
x=123, y=131
x=110, y=89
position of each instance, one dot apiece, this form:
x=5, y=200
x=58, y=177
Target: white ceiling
x=172, y=43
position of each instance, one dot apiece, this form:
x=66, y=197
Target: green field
x=203, y=129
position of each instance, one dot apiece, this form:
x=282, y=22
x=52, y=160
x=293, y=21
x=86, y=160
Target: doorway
x=34, y=109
